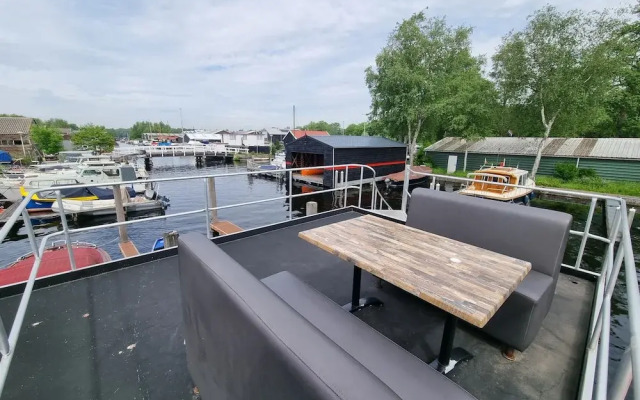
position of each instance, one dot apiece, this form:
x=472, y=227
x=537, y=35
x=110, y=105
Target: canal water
x=190, y=195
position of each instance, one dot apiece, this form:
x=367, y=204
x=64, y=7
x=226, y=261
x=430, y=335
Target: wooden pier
x=225, y=227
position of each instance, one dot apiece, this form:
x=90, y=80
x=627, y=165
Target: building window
x=17, y=142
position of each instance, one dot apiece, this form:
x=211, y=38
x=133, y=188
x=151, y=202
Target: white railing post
x=206, y=208
x=622, y=379
x=346, y=186
x=65, y=230
x=360, y=190
x=585, y=236
x=290, y=195
x=5, y=348
x=405, y=185
x=32, y=237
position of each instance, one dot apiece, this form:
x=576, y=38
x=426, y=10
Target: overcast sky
x=228, y=64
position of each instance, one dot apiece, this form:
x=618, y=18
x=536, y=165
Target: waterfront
x=189, y=195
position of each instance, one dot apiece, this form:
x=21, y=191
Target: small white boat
x=490, y=183
x=149, y=202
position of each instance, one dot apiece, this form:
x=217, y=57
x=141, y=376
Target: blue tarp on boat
x=5, y=158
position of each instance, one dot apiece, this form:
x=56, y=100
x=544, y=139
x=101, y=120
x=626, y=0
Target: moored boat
x=43, y=201
x=491, y=183
x=416, y=177
x=55, y=260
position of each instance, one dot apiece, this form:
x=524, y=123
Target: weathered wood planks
x=464, y=280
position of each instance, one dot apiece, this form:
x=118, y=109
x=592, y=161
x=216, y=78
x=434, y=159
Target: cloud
x=226, y=63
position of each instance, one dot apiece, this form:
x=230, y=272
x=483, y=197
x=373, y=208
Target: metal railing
x=181, y=150
x=9, y=341
x=595, y=382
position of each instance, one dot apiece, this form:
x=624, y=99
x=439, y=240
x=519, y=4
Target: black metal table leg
x=449, y=357
x=356, y=302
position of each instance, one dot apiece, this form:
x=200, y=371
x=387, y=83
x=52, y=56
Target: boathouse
x=385, y=156
x=611, y=158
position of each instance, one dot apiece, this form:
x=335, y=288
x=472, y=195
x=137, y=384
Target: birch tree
x=561, y=64
x=411, y=84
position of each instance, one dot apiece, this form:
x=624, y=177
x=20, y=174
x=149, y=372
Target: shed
x=299, y=133
x=5, y=157
x=385, y=156
x=611, y=158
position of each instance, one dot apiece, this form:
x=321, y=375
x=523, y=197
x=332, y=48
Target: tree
x=355, y=129
x=60, y=123
x=141, y=127
x=560, y=65
x=624, y=99
x=420, y=83
x=46, y=138
x=94, y=137
x=333, y=129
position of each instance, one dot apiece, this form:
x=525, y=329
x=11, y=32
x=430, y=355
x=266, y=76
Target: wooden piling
x=213, y=200
x=170, y=239
x=127, y=248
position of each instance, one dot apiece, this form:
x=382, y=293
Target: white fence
x=179, y=151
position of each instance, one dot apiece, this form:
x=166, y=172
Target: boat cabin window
x=90, y=172
x=111, y=172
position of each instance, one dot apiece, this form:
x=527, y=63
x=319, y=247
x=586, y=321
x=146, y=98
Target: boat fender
x=526, y=200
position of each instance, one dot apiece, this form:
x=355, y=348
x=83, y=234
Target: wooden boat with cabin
x=490, y=183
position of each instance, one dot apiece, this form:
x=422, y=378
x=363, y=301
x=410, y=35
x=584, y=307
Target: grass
x=443, y=171
x=598, y=185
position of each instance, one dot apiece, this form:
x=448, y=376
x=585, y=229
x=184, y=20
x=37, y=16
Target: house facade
x=15, y=136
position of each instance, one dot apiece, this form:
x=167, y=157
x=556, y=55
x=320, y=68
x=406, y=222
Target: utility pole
x=24, y=152
x=294, y=119
x=181, y=125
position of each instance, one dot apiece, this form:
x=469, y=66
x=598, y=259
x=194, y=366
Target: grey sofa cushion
x=531, y=234
x=244, y=342
x=404, y=373
x=528, y=233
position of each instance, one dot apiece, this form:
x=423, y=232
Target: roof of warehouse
x=620, y=148
x=344, y=141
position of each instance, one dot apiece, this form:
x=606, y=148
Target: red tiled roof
x=298, y=133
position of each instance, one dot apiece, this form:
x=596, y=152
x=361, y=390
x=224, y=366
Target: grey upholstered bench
x=282, y=339
x=531, y=234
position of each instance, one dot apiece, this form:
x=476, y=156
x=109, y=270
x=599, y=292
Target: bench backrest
x=528, y=233
x=244, y=342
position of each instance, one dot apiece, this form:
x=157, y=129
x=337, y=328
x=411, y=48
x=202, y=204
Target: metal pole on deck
x=120, y=215
x=405, y=184
x=207, y=217
x=290, y=195
x=65, y=229
x=346, y=185
x=213, y=199
x=360, y=190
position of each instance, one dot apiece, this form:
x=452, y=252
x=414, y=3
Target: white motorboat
x=140, y=203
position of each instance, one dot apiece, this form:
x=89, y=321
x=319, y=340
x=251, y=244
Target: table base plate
x=458, y=355
x=362, y=303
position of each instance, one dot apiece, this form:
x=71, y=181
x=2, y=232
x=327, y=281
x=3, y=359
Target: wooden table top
x=464, y=280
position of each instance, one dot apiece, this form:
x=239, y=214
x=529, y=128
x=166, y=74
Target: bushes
x=569, y=172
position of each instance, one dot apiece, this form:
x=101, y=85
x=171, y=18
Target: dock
x=225, y=227
x=128, y=249
x=8, y=212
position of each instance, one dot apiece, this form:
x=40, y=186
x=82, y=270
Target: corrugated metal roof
x=203, y=136
x=344, y=141
x=276, y=131
x=613, y=148
x=13, y=125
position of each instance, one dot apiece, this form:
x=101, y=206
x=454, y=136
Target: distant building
x=611, y=158
x=257, y=141
x=15, y=136
x=203, y=136
x=275, y=135
x=299, y=133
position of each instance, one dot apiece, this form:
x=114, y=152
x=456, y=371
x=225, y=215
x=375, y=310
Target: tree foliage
x=142, y=127
x=60, y=123
x=332, y=128
x=561, y=67
x=423, y=81
x=94, y=137
x=46, y=138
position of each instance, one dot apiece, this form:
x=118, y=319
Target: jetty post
x=127, y=248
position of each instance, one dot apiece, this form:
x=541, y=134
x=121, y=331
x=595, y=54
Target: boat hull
x=55, y=260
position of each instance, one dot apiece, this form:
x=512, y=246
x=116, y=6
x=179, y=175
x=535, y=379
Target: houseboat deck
x=118, y=334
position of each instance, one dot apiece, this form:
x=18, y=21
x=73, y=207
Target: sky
x=227, y=64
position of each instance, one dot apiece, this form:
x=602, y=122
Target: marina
x=246, y=225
